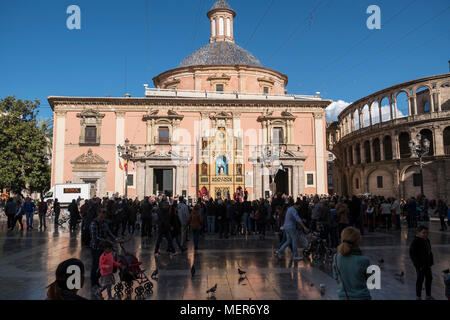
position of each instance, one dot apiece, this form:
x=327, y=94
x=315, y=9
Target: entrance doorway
x=93, y=187
x=163, y=181
x=282, y=181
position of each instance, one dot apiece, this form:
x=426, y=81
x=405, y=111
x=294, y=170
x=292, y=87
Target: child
x=107, y=265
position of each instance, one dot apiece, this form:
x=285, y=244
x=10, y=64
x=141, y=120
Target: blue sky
x=322, y=45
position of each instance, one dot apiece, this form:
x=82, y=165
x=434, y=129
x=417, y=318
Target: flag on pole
x=120, y=165
x=126, y=166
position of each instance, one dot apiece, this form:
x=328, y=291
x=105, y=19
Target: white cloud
x=335, y=108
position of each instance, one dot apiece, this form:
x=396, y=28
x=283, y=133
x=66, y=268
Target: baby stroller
x=318, y=249
x=131, y=273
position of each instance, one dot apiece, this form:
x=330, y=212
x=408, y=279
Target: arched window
x=214, y=27
x=376, y=150
x=427, y=134
x=447, y=141
x=221, y=26
x=221, y=166
x=367, y=153
x=228, y=27
x=387, y=145
x=405, y=151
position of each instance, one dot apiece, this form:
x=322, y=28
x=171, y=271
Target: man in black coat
x=57, y=211
x=422, y=258
x=164, y=226
x=10, y=211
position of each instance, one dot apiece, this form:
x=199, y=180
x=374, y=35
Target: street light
x=127, y=153
x=420, y=147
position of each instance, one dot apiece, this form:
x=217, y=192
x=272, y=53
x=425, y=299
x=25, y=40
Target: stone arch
x=411, y=189
x=375, y=113
x=367, y=152
x=358, y=153
x=423, y=99
x=366, y=115
x=445, y=104
x=385, y=109
x=428, y=134
x=380, y=187
x=401, y=98
x=403, y=140
x=387, y=148
x=446, y=138
x=356, y=117
x=376, y=150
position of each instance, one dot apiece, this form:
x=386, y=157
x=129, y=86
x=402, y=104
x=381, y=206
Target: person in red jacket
x=107, y=265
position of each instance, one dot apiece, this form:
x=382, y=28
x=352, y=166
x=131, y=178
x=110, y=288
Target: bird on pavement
x=241, y=272
x=193, y=271
x=213, y=289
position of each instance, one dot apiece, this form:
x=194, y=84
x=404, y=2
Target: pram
x=317, y=247
x=131, y=273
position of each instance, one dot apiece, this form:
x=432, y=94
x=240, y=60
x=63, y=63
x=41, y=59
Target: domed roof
x=221, y=53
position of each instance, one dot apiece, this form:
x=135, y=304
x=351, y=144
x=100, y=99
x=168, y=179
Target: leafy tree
x=24, y=147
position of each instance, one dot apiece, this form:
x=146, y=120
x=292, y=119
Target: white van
x=65, y=193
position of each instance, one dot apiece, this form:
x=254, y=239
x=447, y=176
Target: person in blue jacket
x=350, y=267
x=29, y=207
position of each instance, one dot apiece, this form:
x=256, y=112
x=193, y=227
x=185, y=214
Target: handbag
x=339, y=273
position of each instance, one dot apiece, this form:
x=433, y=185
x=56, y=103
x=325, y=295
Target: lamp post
x=127, y=153
x=420, y=147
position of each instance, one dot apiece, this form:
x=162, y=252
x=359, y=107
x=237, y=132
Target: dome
x=221, y=4
x=221, y=53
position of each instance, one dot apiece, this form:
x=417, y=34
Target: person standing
x=290, y=229
x=183, y=215
x=342, y=213
x=57, y=211
x=350, y=267
x=10, y=211
x=386, y=214
x=196, y=223
x=100, y=234
x=164, y=227
x=396, y=211
x=74, y=214
x=442, y=212
x=29, y=207
x=412, y=212
x=422, y=259
x=42, y=209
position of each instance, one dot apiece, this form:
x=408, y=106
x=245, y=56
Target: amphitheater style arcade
x=371, y=141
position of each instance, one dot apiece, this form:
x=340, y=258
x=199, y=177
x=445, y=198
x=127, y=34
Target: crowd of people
x=342, y=220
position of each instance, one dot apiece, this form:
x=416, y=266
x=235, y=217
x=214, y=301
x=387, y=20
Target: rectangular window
x=379, y=182
x=219, y=87
x=163, y=135
x=221, y=26
x=310, y=179
x=417, y=180
x=266, y=90
x=90, y=134
x=130, y=180
x=277, y=135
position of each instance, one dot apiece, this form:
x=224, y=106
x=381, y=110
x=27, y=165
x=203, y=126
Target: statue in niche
x=221, y=166
x=204, y=169
x=239, y=169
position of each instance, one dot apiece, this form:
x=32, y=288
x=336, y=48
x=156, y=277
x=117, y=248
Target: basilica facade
x=218, y=125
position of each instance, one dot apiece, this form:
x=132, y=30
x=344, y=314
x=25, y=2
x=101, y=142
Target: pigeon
x=154, y=274
x=241, y=272
x=193, y=271
x=213, y=289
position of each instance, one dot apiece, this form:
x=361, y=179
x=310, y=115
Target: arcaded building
x=218, y=124
x=371, y=141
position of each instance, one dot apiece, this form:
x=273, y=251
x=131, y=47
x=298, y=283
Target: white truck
x=65, y=193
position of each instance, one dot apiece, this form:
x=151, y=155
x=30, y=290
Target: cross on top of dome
x=221, y=4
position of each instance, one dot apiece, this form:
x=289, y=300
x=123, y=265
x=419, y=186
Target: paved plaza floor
x=28, y=261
